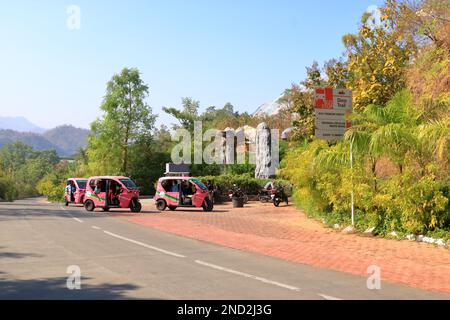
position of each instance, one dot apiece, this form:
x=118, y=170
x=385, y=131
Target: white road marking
x=76, y=219
x=247, y=275
x=243, y=274
x=328, y=297
x=170, y=253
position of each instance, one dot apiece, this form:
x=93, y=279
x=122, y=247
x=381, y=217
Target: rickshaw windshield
x=81, y=184
x=128, y=183
x=199, y=183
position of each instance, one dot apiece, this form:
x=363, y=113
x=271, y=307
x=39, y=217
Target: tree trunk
x=125, y=155
x=127, y=135
x=374, y=174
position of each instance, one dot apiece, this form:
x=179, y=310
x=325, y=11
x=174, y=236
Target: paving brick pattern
x=286, y=233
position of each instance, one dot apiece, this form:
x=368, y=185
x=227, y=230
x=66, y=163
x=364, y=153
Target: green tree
x=52, y=185
x=336, y=72
x=21, y=168
x=300, y=98
x=401, y=118
x=13, y=156
x=127, y=118
x=377, y=58
x=150, y=157
x=428, y=21
x=384, y=131
x=187, y=115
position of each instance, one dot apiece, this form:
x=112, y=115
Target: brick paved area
x=286, y=233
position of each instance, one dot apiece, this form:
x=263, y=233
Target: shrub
x=8, y=191
x=419, y=204
x=246, y=182
x=52, y=187
x=414, y=200
x=406, y=202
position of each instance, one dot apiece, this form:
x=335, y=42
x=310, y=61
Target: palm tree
x=433, y=142
x=385, y=131
x=394, y=131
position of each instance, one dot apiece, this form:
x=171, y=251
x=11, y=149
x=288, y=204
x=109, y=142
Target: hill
x=66, y=139
x=19, y=124
x=35, y=140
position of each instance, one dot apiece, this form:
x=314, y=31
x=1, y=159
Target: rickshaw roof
x=177, y=178
x=108, y=177
x=77, y=179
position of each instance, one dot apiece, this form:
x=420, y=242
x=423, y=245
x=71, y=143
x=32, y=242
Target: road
x=121, y=260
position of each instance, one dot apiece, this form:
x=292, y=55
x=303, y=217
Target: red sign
x=330, y=98
x=323, y=98
x=332, y=110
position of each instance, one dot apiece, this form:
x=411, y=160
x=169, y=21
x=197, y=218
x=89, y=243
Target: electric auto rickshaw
x=108, y=192
x=174, y=192
x=75, y=190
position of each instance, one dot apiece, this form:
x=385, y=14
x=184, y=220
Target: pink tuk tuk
x=174, y=192
x=108, y=192
x=75, y=190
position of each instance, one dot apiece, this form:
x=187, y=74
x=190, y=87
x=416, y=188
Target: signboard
x=329, y=135
x=342, y=99
x=329, y=114
x=172, y=168
x=338, y=125
x=332, y=110
x=323, y=98
x=332, y=120
x=329, y=98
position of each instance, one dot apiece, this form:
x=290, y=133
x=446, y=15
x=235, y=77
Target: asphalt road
x=121, y=260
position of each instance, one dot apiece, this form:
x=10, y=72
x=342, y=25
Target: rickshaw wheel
x=89, y=205
x=67, y=203
x=135, y=206
x=161, y=204
x=105, y=209
x=207, y=205
x=172, y=208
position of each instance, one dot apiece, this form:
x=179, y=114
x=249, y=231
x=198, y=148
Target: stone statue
x=229, y=147
x=264, y=167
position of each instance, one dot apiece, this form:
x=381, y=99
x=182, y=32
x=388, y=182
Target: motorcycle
x=236, y=192
x=279, y=195
x=265, y=195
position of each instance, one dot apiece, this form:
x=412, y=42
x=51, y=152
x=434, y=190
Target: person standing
x=211, y=191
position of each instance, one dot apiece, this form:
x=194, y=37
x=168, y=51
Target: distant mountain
x=35, y=140
x=66, y=139
x=19, y=124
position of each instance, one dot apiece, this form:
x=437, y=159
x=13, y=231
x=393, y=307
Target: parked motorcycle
x=279, y=196
x=237, y=192
x=265, y=196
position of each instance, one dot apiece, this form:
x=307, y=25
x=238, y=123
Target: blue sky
x=245, y=52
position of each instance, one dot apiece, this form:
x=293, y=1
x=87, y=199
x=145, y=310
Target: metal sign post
x=351, y=181
x=331, y=108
